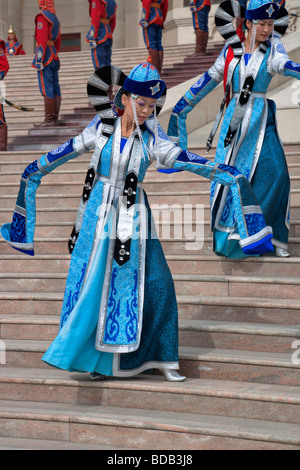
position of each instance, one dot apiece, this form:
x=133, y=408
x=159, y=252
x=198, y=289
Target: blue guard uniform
x=46, y=61
x=248, y=136
x=13, y=46
x=4, y=67
x=100, y=35
x=152, y=21
x=200, y=10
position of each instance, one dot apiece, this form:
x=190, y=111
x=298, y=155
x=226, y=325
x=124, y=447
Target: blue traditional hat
x=143, y=80
x=261, y=10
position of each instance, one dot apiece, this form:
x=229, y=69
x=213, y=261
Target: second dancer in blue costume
x=249, y=137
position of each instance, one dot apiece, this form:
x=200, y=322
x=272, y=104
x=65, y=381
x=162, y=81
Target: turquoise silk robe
x=249, y=140
x=119, y=315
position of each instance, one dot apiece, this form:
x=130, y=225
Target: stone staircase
x=76, y=112
x=239, y=335
x=238, y=324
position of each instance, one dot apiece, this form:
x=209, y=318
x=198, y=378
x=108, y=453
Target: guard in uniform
x=4, y=67
x=152, y=21
x=46, y=61
x=100, y=35
x=13, y=46
x=200, y=10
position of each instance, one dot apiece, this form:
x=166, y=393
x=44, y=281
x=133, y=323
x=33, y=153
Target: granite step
x=240, y=365
x=263, y=266
x=58, y=246
x=239, y=336
x=196, y=362
x=179, y=264
x=12, y=443
x=193, y=333
x=277, y=403
x=148, y=429
x=213, y=308
x=166, y=228
x=185, y=284
x=237, y=286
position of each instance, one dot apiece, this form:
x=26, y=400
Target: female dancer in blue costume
x=248, y=139
x=119, y=315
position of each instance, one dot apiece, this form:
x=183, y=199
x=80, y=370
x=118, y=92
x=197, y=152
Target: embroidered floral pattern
x=73, y=297
x=32, y=168
x=112, y=326
x=18, y=228
x=132, y=305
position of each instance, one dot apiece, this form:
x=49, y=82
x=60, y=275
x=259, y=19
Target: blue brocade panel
x=200, y=84
x=61, y=151
x=189, y=157
x=182, y=103
x=292, y=69
x=32, y=168
x=255, y=223
x=21, y=195
x=18, y=228
x=230, y=169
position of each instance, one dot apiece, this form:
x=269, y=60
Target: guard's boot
x=154, y=58
x=57, y=108
x=205, y=41
x=50, y=112
x=201, y=42
x=160, y=61
x=3, y=138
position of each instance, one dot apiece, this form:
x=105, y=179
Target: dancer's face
x=144, y=107
x=263, y=31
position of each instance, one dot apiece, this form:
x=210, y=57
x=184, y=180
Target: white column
x=3, y=19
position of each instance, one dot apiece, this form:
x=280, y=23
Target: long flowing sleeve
x=292, y=69
x=255, y=235
x=20, y=233
x=200, y=89
x=281, y=63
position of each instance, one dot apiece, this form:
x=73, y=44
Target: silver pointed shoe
x=281, y=253
x=172, y=376
x=95, y=376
